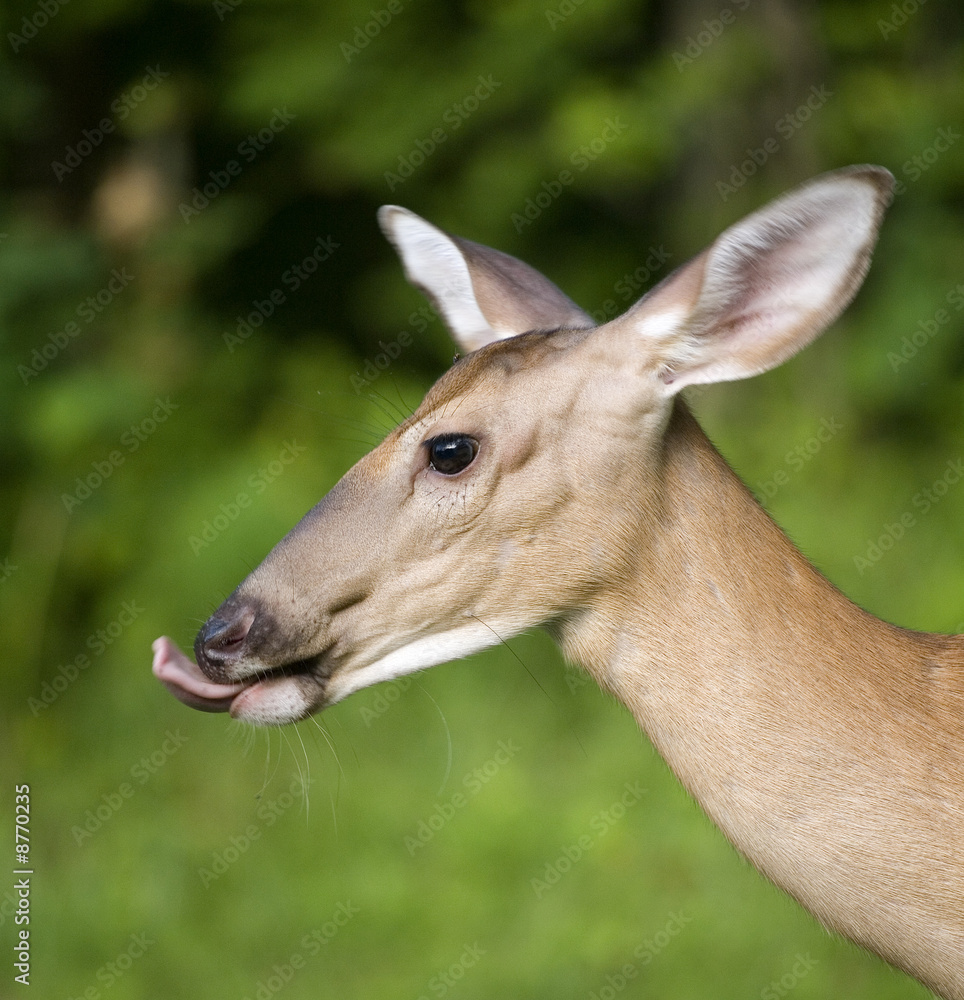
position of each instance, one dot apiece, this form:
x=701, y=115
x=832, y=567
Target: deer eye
x=451, y=453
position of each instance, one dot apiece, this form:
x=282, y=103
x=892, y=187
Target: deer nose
x=222, y=641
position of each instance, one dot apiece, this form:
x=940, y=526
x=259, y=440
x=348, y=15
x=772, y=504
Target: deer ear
x=483, y=295
x=766, y=287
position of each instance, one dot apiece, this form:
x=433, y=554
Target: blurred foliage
x=169, y=169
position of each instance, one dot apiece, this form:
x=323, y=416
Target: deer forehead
x=514, y=386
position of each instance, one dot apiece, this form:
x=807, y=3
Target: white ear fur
x=766, y=287
x=434, y=265
x=482, y=294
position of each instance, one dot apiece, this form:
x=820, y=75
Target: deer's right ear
x=763, y=290
x=482, y=294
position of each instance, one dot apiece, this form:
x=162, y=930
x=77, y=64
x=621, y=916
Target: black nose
x=222, y=641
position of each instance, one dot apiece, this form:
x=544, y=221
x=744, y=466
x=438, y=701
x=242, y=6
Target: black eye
x=451, y=453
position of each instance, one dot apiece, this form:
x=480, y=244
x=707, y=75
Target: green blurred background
x=169, y=343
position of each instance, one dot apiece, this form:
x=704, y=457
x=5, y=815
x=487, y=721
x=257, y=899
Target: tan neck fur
x=824, y=742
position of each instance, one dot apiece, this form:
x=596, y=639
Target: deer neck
x=761, y=684
x=720, y=626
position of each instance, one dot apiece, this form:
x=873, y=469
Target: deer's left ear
x=482, y=294
x=763, y=290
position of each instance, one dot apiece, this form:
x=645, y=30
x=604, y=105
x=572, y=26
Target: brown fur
x=825, y=743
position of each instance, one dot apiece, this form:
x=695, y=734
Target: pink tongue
x=183, y=678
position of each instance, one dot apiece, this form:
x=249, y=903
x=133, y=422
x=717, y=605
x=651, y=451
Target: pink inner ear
x=771, y=283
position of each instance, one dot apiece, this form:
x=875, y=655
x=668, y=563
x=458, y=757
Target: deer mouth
x=275, y=696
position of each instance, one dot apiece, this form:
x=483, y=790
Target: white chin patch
x=417, y=655
x=273, y=702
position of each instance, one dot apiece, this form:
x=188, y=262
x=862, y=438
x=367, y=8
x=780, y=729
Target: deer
x=554, y=477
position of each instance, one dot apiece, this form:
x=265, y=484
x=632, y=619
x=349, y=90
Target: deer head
x=528, y=486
